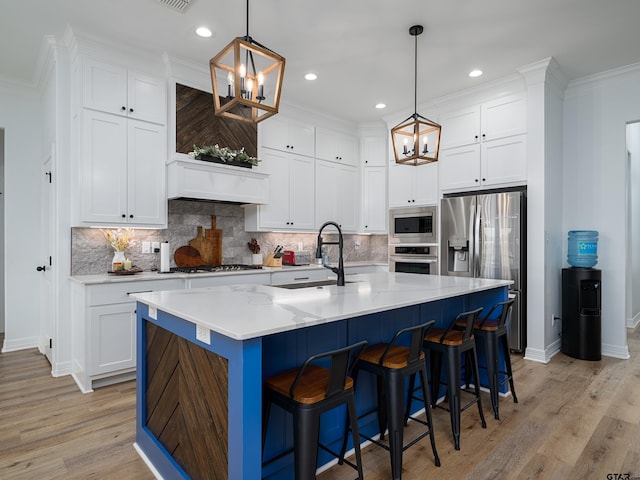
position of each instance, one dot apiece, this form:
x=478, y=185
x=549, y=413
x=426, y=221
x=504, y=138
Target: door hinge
x=51, y=343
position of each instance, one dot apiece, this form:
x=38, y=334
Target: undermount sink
x=315, y=283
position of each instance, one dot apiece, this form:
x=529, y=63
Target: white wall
x=596, y=112
x=20, y=119
x=1, y=230
x=633, y=216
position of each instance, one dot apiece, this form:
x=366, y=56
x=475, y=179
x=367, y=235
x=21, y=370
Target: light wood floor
x=575, y=420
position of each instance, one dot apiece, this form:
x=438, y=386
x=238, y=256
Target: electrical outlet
x=203, y=334
x=300, y=246
x=357, y=243
x=146, y=247
x=554, y=319
x=155, y=246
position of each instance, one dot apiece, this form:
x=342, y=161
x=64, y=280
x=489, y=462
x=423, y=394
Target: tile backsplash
x=91, y=254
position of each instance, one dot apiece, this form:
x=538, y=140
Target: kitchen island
x=203, y=355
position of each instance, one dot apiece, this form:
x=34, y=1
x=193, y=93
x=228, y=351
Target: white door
x=46, y=265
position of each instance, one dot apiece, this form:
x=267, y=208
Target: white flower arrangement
x=119, y=239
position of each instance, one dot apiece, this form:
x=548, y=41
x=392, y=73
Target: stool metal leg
x=474, y=361
x=427, y=409
x=507, y=361
x=453, y=392
x=395, y=403
x=493, y=370
x=306, y=430
x=355, y=435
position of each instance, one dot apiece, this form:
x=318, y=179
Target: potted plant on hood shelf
x=225, y=155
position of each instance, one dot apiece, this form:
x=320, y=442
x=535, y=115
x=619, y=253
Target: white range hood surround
x=201, y=180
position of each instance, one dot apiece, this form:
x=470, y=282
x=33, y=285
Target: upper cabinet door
x=302, y=136
x=374, y=151
x=147, y=98
x=504, y=117
x=114, y=89
x=336, y=147
x=104, y=87
x=460, y=127
x=288, y=135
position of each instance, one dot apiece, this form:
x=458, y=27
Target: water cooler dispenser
x=581, y=309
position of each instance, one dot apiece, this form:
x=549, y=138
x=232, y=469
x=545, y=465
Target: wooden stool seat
x=312, y=385
x=397, y=355
x=451, y=337
x=480, y=324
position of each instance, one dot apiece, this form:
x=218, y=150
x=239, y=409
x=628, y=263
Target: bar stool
x=306, y=393
x=392, y=363
x=492, y=331
x=451, y=343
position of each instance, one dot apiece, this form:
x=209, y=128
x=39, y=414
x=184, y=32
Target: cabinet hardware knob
x=123, y=108
x=483, y=135
x=484, y=179
x=476, y=180
x=131, y=110
x=124, y=216
x=476, y=137
x=130, y=216
x=41, y=269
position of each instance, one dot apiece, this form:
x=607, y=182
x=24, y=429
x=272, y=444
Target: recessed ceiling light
x=475, y=73
x=310, y=76
x=203, y=32
x=380, y=105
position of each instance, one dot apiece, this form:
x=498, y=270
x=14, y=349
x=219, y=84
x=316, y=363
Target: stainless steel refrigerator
x=484, y=235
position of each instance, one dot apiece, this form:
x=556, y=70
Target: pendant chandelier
x=247, y=79
x=416, y=140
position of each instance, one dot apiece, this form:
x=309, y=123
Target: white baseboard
x=19, y=344
x=146, y=460
x=616, y=351
x=634, y=322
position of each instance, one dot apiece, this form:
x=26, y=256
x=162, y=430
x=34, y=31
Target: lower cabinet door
x=112, y=338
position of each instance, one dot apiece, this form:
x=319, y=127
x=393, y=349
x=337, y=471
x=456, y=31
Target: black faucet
x=340, y=270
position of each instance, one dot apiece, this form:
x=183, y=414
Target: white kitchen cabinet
x=493, y=163
x=104, y=330
x=114, y=89
x=374, y=151
x=203, y=280
x=121, y=171
x=296, y=274
x=413, y=186
x=374, y=200
x=291, y=194
x=288, y=135
x=499, y=118
x=337, y=195
x=336, y=146
x=484, y=145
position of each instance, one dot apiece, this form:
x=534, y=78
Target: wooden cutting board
x=209, y=244
x=187, y=256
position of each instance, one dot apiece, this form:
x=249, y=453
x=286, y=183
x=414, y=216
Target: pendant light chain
x=415, y=75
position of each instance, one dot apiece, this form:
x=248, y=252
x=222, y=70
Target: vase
x=118, y=261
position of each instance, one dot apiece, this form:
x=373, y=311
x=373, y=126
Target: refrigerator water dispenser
x=458, y=256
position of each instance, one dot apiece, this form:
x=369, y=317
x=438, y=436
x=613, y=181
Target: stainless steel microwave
x=413, y=225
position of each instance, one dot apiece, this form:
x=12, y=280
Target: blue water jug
x=583, y=248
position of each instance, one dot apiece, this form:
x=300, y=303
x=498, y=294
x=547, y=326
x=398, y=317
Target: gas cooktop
x=233, y=267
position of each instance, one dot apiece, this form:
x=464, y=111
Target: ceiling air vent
x=179, y=5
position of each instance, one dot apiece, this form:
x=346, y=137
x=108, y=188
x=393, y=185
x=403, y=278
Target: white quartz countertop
x=101, y=278
x=242, y=312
